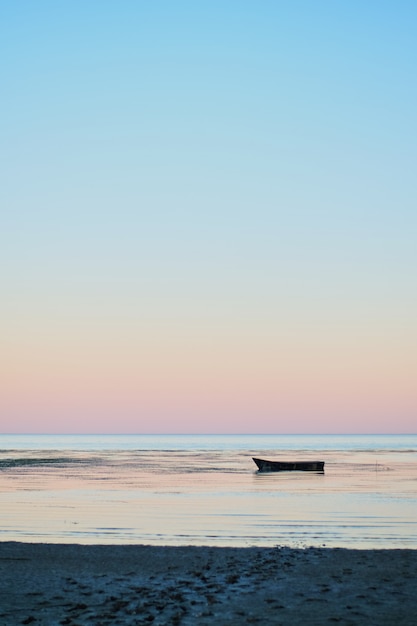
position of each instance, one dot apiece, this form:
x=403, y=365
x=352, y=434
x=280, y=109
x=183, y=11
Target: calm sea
x=204, y=489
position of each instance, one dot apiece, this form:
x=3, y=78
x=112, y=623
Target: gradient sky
x=208, y=216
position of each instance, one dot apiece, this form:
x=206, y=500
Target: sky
x=208, y=217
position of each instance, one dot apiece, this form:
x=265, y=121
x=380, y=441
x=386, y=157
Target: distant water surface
x=204, y=489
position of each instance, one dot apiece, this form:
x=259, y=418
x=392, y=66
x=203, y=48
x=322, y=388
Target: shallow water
x=206, y=490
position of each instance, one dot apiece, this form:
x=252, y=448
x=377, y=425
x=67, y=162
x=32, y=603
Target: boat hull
x=289, y=466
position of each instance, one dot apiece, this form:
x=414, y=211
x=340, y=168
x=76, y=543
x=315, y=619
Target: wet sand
x=49, y=584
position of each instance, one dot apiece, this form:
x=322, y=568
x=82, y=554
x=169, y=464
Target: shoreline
x=73, y=584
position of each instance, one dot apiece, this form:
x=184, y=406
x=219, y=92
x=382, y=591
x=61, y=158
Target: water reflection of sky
x=364, y=499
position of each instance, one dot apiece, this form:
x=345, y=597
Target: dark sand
x=109, y=585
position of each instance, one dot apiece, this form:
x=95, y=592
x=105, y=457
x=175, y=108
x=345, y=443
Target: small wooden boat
x=289, y=466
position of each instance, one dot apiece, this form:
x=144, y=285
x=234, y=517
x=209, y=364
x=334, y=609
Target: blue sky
x=207, y=171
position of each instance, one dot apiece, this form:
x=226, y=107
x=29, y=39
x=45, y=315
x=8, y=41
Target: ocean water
x=205, y=490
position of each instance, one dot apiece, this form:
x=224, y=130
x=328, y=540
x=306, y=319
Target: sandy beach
x=45, y=584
